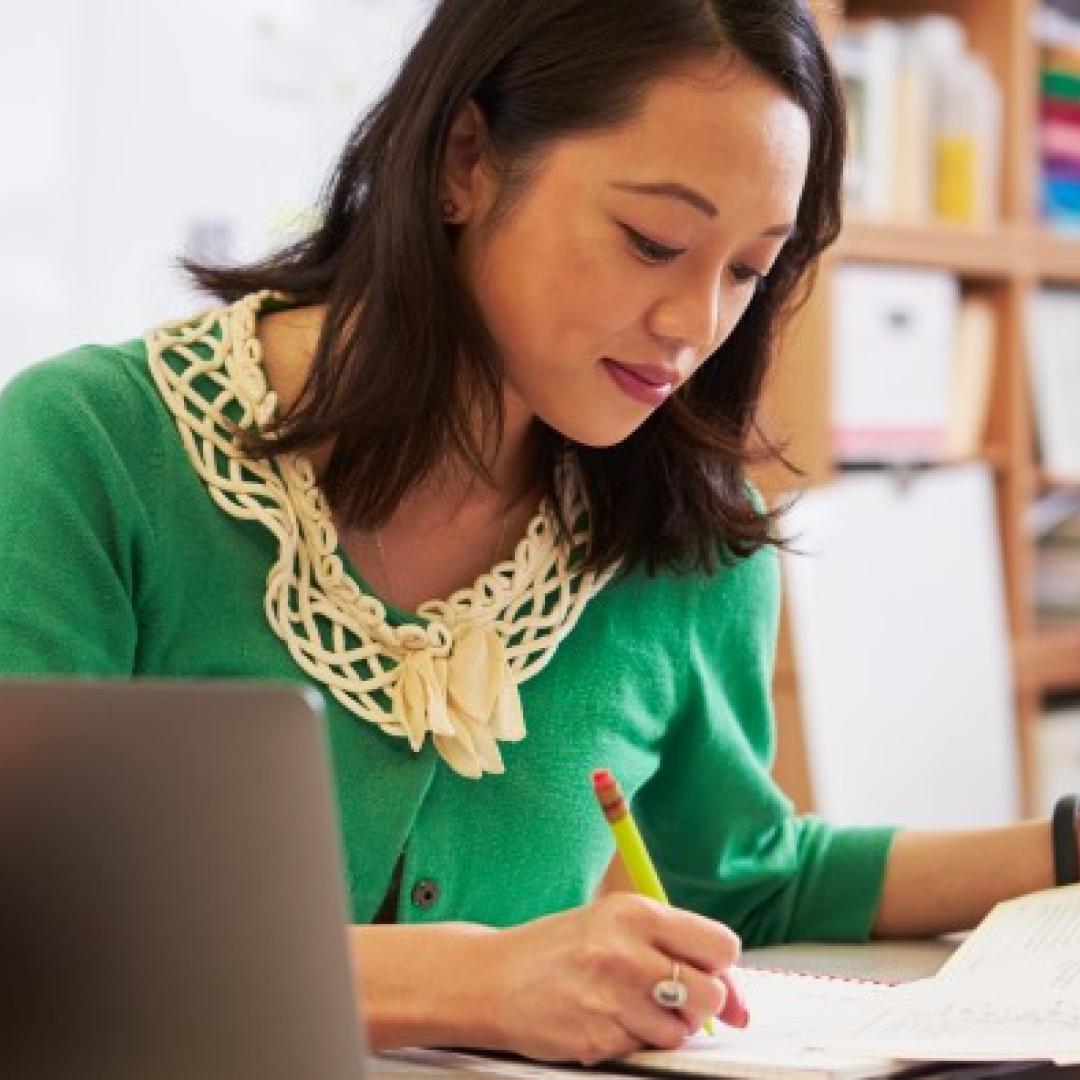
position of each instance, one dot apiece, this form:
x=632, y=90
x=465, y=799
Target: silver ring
x=671, y=993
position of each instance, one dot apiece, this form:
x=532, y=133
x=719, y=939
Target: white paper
x=1010, y=992
x=1032, y=940
x=972, y=1021
x=793, y=1018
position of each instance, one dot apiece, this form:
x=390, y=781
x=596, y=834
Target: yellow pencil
x=628, y=841
x=631, y=848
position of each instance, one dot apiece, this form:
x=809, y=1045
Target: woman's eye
x=650, y=250
x=747, y=275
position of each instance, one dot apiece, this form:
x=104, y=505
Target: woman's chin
x=600, y=436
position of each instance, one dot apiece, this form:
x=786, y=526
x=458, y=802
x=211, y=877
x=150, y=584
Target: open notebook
x=1011, y=992
x=790, y=1013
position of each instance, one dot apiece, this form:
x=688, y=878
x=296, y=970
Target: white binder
x=893, y=358
x=902, y=649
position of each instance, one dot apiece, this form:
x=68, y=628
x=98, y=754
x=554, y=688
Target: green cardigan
x=115, y=562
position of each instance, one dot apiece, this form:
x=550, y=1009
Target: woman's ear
x=466, y=188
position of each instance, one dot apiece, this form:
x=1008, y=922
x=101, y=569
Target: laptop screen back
x=171, y=900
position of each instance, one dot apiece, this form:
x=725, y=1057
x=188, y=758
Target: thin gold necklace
x=389, y=582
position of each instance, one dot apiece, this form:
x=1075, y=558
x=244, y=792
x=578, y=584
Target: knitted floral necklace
x=454, y=673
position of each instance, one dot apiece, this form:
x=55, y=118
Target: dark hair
x=401, y=387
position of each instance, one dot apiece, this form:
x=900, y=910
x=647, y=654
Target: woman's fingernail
x=735, y=1011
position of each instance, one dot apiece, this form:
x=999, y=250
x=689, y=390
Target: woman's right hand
x=577, y=986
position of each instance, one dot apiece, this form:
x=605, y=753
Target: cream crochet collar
x=453, y=674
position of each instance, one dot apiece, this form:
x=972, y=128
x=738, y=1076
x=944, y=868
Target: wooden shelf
x=996, y=456
x=1049, y=659
x=1057, y=257
x=974, y=251
x=979, y=251
x=1049, y=482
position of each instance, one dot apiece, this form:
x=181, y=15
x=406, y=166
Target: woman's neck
x=289, y=340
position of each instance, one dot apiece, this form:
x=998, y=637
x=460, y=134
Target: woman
x=515, y=368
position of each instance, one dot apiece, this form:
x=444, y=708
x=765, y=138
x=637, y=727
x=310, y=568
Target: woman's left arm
x=938, y=882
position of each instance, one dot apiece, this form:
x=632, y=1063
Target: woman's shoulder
x=730, y=577
x=734, y=602
x=94, y=389
x=90, y=425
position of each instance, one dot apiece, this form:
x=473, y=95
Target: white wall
x=133, y=128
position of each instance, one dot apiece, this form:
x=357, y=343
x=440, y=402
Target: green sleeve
x=74, y=537
x=725, y=839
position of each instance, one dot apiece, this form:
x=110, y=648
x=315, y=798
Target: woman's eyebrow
x=672, y=190
x=781, y=231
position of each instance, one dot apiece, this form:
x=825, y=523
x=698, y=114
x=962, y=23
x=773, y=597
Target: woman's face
x=635, y=251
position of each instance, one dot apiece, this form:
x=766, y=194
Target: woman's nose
x=691, y=318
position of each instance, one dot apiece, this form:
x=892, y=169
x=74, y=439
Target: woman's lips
x=649, y=385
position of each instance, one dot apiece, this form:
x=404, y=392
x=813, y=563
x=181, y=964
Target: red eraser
x=602, y=778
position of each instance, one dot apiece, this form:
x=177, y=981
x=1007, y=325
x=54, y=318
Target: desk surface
x=886, y=961
x=442, y=1065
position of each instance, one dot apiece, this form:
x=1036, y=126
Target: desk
x=888, y=961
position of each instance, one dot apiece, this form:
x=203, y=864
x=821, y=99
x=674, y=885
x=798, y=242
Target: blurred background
x=929, y=670
x=136, y=130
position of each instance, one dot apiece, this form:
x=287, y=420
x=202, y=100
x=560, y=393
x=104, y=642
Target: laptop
x=171, y=894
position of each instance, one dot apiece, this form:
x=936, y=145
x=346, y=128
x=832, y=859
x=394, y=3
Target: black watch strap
x=1064, y=837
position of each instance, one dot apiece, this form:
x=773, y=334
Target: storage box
x=893, y=355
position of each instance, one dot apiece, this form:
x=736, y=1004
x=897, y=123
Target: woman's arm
x=413, y=985
x=572, y=986
x=937, y=882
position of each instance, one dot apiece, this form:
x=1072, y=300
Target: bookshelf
x=1048, y=661
x=1004, y=262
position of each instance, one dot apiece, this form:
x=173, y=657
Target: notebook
x=1009, y=993
x=793, y=1017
